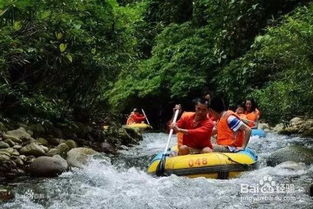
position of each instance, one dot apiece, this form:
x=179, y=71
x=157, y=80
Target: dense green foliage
x=58, y=57
x=77, y=59
x=228, y=47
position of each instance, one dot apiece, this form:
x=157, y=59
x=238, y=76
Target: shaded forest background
x=82, y=60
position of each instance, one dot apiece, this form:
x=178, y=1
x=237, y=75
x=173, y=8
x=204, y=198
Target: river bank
x=48, y=150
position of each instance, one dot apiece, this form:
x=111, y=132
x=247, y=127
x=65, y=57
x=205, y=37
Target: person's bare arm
x=247, y=133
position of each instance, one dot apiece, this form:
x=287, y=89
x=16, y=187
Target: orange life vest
x=226, y=136
x=180, y=135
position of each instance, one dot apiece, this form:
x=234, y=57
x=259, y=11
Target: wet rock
x=71, y=143
x=48, y=166
x=10, y=142
x=61, y=149
x=263, y=126
x=33, y=149
x=4, y=157
x=18, y=161
x=107, y=148
x=43, y=141
x=17, y=147
x=78, y=157
x=23, y=157
x=289, y=131
x=291, y=153
x=279, y=127
x=18, y=136
x=311, y=190
x=4, y=145
x=296, y=122
x=7, y=151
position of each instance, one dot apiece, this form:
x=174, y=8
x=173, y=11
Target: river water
x=122, y=182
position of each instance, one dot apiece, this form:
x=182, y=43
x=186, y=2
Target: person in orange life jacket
x=232, y=133
x=240, y=111
x=135, y=117
x=196, y=129
x=252, y=113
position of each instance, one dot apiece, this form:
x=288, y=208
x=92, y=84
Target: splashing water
x=121, y=182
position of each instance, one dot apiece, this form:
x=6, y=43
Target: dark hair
x=217, y=104
x=253, y=104
x=136, y=110
x=200, y=101
x=241, y=105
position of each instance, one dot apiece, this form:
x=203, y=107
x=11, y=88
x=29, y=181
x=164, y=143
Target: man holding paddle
x=196, y=128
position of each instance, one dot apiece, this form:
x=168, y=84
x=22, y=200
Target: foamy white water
x=122, y=182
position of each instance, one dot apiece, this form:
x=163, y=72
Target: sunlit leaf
x=62, y=47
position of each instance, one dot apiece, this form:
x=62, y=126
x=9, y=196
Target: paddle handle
x=145, y=116
x=171, y=132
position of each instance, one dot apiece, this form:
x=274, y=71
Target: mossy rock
x=71, y=143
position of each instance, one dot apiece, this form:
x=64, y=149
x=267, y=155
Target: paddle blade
x=161, y=167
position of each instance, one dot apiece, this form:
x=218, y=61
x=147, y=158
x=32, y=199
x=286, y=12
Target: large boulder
x=18, y=136
x=33, y=149
x=296, y=122
x=48, y=166
x=292, y=153
x=78, y=157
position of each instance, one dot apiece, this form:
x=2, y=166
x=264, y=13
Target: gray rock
x=7, y=151
x=46, y=149
x=107, y=148
x=18, y=161
x=10, y=142
x=263, y=126
x=32, y=149
x=291, y=153
x=17, y=146
x=48, y=166
x=4, y=145
x=18, y=136
x=4, y=157
x=78, y=157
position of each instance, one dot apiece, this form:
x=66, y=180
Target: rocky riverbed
x=24, y=153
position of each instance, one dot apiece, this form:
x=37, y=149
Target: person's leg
x=206, y=150
x=183, y=150
x=220, y=148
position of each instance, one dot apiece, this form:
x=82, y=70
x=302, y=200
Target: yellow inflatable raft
x=210, y=165
x=141, y=126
